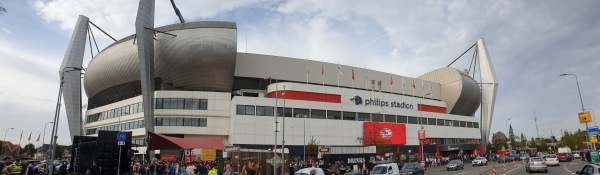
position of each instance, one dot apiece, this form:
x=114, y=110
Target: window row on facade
x=139, y=142
x=114, y=113
x=181, y=103
x=450, y=141
x=123, y=126
x=179, y=121
x=160, y=103
x=348, y=115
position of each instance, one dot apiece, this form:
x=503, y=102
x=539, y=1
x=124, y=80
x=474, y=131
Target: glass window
x=463, y=124
x=188, y=103
x=364, y=117
x=401, y=119
x=469, y=124
x=349, y=115
x=447, y=122
x=118, y=112
x=377, y=117
x=455, y=123
x=172, y=121
x=413, y=120
x=166, y=103
x=196, y=104
x=440, y=122
x=288, y=112
x=127, y=112
x=268, y=111
x=249, y=110
x=203, y=104
x=180, y=103
x=318, y=114
x=202, y=122
x=179, y=122
x=335, y=115
x=194, y=122
x=390, y=118
x=241, y=110
x=475, y=125
x=141, y=107
x=159, y=122
x=423, y=121
x=260, y=110
x=301, y=113
x=431, y=121
x=159, y=103
x=173, y=104
x=187, y=122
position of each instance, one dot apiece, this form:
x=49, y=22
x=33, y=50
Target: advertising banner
x=384, y=133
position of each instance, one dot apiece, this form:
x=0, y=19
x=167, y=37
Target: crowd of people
x=171, y=168
x=11, y=166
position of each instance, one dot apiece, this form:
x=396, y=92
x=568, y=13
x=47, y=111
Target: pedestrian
x=213, y=171
x=228, y=170
x=95, y=170
x=38, y=171
x=333, y=169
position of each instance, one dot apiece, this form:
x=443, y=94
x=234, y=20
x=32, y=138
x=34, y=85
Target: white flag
x=340, y=70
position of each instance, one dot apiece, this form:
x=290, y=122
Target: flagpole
x=366, y=78
x=307, y=70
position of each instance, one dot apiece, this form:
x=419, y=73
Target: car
x=525, y=157
x=564, y=157
x=590, y=169
x=310, y=171
x=576, y=155
x=552, y=160
x=479, y=161
x=505, y=159
x=386, y=169
x=536, y=164
x=455, y=165
x=412, y=168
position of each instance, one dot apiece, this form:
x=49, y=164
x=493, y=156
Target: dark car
x=412, y=168
x=455, y=165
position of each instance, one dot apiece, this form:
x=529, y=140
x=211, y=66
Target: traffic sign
x=121, y=143
x=584, y=117
x=594, y=140
x=121, y=136
x=593, y=130
x=275, y=161
x=422, y=135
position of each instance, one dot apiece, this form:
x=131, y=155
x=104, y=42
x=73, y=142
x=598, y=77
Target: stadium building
x=202, y=87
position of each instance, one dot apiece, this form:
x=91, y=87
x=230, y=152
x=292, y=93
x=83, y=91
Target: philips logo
x=357, y=100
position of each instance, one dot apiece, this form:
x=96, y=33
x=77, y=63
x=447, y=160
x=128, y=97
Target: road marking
x=460, y=173
x=513, y=169
x=565, y=167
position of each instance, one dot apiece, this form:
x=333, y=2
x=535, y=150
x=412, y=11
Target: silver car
x=536, y=164
x=590, y=169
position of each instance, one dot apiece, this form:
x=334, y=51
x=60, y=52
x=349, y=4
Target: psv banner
x=384, y=133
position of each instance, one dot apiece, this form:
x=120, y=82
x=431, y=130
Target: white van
x=386, y=169
x=310, y=171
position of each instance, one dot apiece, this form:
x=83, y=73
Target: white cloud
x=5, y=30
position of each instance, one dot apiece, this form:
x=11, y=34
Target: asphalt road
x=565, y=168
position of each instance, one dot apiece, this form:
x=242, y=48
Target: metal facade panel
x=489, y=88
x=72, y=78
x=459, y=91
x=145, y=52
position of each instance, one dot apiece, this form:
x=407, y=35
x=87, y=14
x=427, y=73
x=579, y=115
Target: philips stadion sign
x=382, y=103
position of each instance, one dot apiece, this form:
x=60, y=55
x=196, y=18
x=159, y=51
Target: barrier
x=504, y=167
x=515, y=164
x=494, y=170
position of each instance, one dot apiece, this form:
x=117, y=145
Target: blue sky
x=530, y=44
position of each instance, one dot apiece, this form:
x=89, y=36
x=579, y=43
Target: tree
x=523, y=141
x=312, y=149
x=543, y=145
x=533, y=144
x=2, y=9
x=511, y=135
x=490, y=147
x=499, y=140
x=29, y=150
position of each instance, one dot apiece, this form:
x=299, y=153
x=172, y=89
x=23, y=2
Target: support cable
x=462, y=54
x=177, y=12
x=160, y=32
x=475, y=65
x=90, y=41
x=94, y=38
x=471, y=65
x=102, y=31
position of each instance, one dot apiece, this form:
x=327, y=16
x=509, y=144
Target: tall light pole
x=508, y=137
x=2, y=148
x=304, y=145
x=44, y=138
x=582, y=108
x=54, y=135
x=283, y=136
x=421, y=121
x=276, y=129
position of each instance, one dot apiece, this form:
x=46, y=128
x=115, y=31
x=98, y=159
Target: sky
x=529, y=42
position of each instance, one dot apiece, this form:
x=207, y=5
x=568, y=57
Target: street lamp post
x=304, y=145
x=2, y=149
x=44, y=138
x=507, y=132
x=582, y=108
x=421, y=121
x=54, y=135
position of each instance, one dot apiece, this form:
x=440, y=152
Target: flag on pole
x=340, y=72
x=322, y=73
x=414, y=87
x=38, y=139
x=29, y=138
x=307, y=70
x=352, y=73
x=21, y=136
x=403, y=85
x=392, y=83
x=366, y=79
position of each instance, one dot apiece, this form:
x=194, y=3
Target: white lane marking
x=460, y=173
x=514, y=169
x=565, y=167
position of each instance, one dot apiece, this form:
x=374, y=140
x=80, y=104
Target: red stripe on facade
x=308, y=96
x=429, y=108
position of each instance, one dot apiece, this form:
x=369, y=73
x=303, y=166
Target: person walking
x=213, y=171
x=228, y=170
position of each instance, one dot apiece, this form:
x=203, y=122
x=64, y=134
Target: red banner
x=168, y=157
x=422, y=135
x=384, y=133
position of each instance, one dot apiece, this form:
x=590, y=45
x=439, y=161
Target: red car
x=564, y=157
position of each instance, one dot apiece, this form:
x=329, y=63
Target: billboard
x=384, y=133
